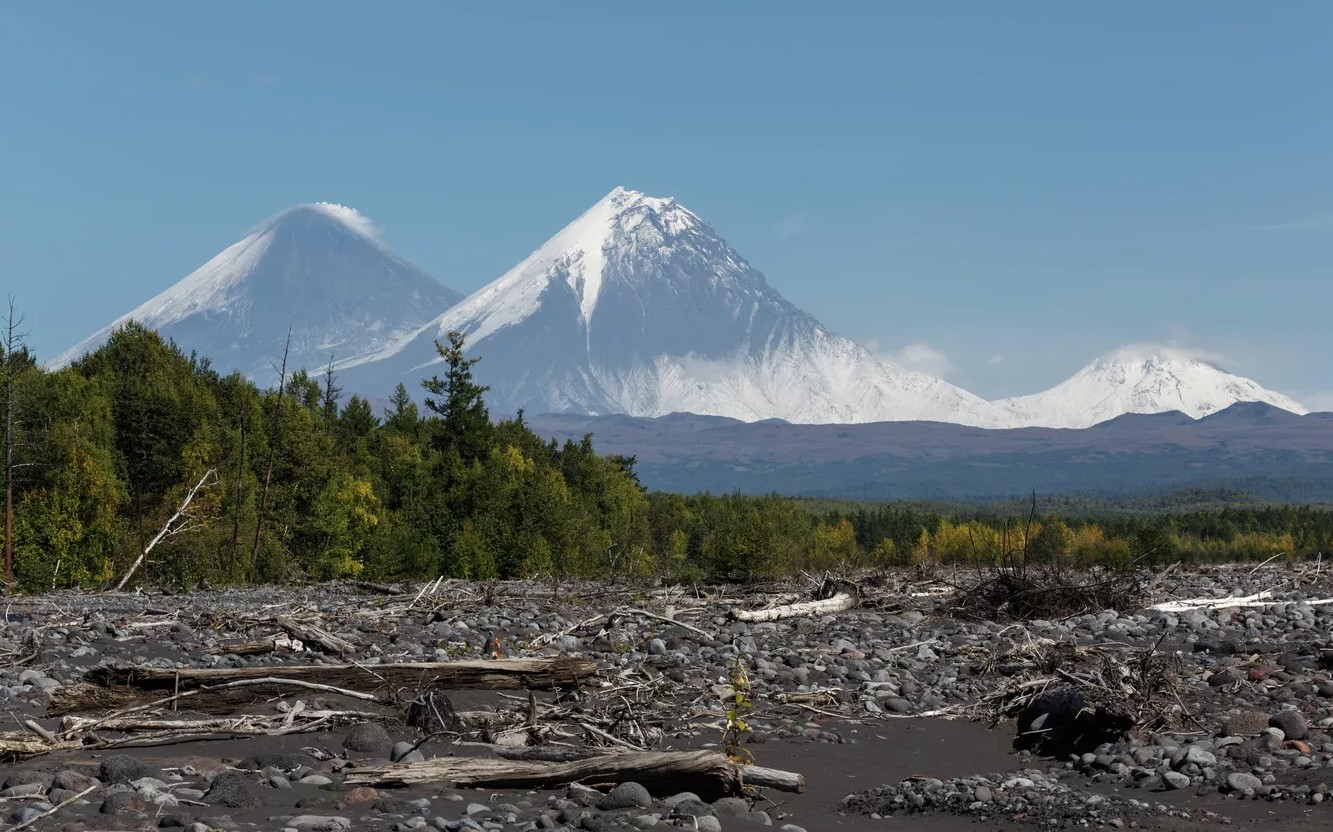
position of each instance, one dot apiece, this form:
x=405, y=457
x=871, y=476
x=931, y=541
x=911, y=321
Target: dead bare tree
x=13, y=342
x=181, y=521
x=240, y=494
x=274, y=439
x=332, y=393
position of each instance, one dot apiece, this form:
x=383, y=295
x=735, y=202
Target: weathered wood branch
x=501, y=674
x=706, y=773
x=311, y=634
x=114, y=686
x=838, y=603
x=175, y=525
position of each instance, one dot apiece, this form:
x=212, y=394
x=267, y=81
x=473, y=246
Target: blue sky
x=996, y=191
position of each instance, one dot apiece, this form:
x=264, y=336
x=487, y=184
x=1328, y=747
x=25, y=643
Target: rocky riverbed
x=897, y=714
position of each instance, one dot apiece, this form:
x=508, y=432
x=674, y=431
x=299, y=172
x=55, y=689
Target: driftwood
x=224, y=690
x=708, y=774
x=310, y=634
x=1259, y=599
x=838, y=603
x=501, y=674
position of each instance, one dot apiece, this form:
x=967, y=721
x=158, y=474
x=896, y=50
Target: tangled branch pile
x=1026, y=594
x=1070, y=696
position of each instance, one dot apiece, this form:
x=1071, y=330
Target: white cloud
x=1145, y=350
x=921, y=357
x=1320, y=401
x=995, y=361
x=358, y=221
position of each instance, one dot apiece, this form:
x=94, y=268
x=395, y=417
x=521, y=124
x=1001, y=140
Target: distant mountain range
x=1253, y=447
x=637, y=307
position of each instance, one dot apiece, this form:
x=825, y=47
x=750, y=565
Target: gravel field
x=897, y=714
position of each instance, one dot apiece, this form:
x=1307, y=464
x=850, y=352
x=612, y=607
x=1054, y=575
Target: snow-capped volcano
x=318, y=268
x=1140, y=379
x=639, y=307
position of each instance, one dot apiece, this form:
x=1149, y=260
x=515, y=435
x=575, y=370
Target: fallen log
x=319, y=637
x=115, y=686
x=706, y=773
x=838, y=603
x=380, y=589
x=499, y=674
x=1259, y=599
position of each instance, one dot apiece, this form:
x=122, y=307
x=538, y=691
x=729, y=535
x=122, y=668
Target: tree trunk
x=838, y=603
x=12, y=341
x=240, y=496
x=706, y=773
x=272, y=449
x=115, y=686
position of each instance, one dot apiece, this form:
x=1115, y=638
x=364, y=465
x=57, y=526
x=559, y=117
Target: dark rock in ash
x=28, y=778
x=73, y=781
x=728, y=806
x=176, y=821
x=1245, y=724
x=626, y=796
x=282, y=762
x=123, y=803
x=369, y=738
x=231, y=790
x=124, y=769
x=1291, y=723
x=1224, y=677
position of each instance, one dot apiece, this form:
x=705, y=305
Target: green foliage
x=112, y=444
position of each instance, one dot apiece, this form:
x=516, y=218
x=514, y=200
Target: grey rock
x=1175, y=780
x=401, y=750
x=123, y=803
x=71, y=780
x=1239, y=781
x=369, y=738
x=120, y=768
x=626, y=796
x=1292, y=724
x=231, y=790
x=730, y=806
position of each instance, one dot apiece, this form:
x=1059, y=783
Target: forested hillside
x=299, y=483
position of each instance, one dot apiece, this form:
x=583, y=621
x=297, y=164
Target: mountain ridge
x=637, y=306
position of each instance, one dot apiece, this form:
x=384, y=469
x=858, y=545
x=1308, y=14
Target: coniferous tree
x=465, y=422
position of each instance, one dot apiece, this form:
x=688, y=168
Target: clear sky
x=996, y=191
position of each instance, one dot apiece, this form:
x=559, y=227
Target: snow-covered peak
x=623, y=220
x=1141, y=378
x=348, y=216
x=638, y=306
x=318, y=268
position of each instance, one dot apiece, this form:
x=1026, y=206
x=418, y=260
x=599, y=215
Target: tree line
x=298, y=482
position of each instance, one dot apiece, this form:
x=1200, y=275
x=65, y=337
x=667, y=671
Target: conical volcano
x=640, y=307
x=319, y=269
